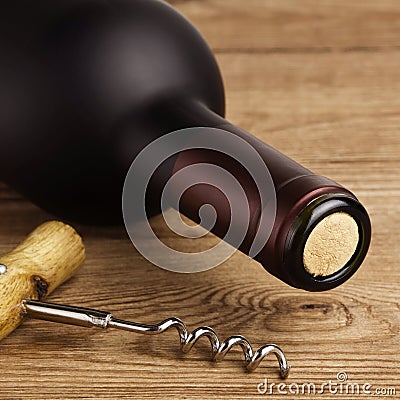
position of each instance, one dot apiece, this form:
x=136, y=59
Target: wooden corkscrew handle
x=48, y=257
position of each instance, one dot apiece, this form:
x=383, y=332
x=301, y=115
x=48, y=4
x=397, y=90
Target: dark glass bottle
x=87, y=84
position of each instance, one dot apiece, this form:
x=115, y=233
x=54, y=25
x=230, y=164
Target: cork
x=331, y=245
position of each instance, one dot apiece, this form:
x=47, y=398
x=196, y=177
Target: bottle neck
x=276, y=202
x=167, y=117
x=210, y=151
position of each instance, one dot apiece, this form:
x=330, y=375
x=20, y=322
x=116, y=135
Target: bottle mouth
x=331, y=244
x=327, y=242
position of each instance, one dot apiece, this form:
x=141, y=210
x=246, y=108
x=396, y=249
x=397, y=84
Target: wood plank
x=295, y=26
x=323, y=111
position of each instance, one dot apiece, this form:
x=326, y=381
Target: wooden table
x=320, y=81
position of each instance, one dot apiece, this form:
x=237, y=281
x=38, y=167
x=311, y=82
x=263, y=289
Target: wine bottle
x=87, y=85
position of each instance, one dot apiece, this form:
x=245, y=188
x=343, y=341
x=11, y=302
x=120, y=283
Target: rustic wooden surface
x=319, y=80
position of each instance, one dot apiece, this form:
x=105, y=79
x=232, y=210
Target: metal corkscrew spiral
x=88, y=318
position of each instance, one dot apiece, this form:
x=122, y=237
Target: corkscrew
x=49, y=256
x=94, y=318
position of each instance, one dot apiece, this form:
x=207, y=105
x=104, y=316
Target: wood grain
x=288, y=26
x=320, y=81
